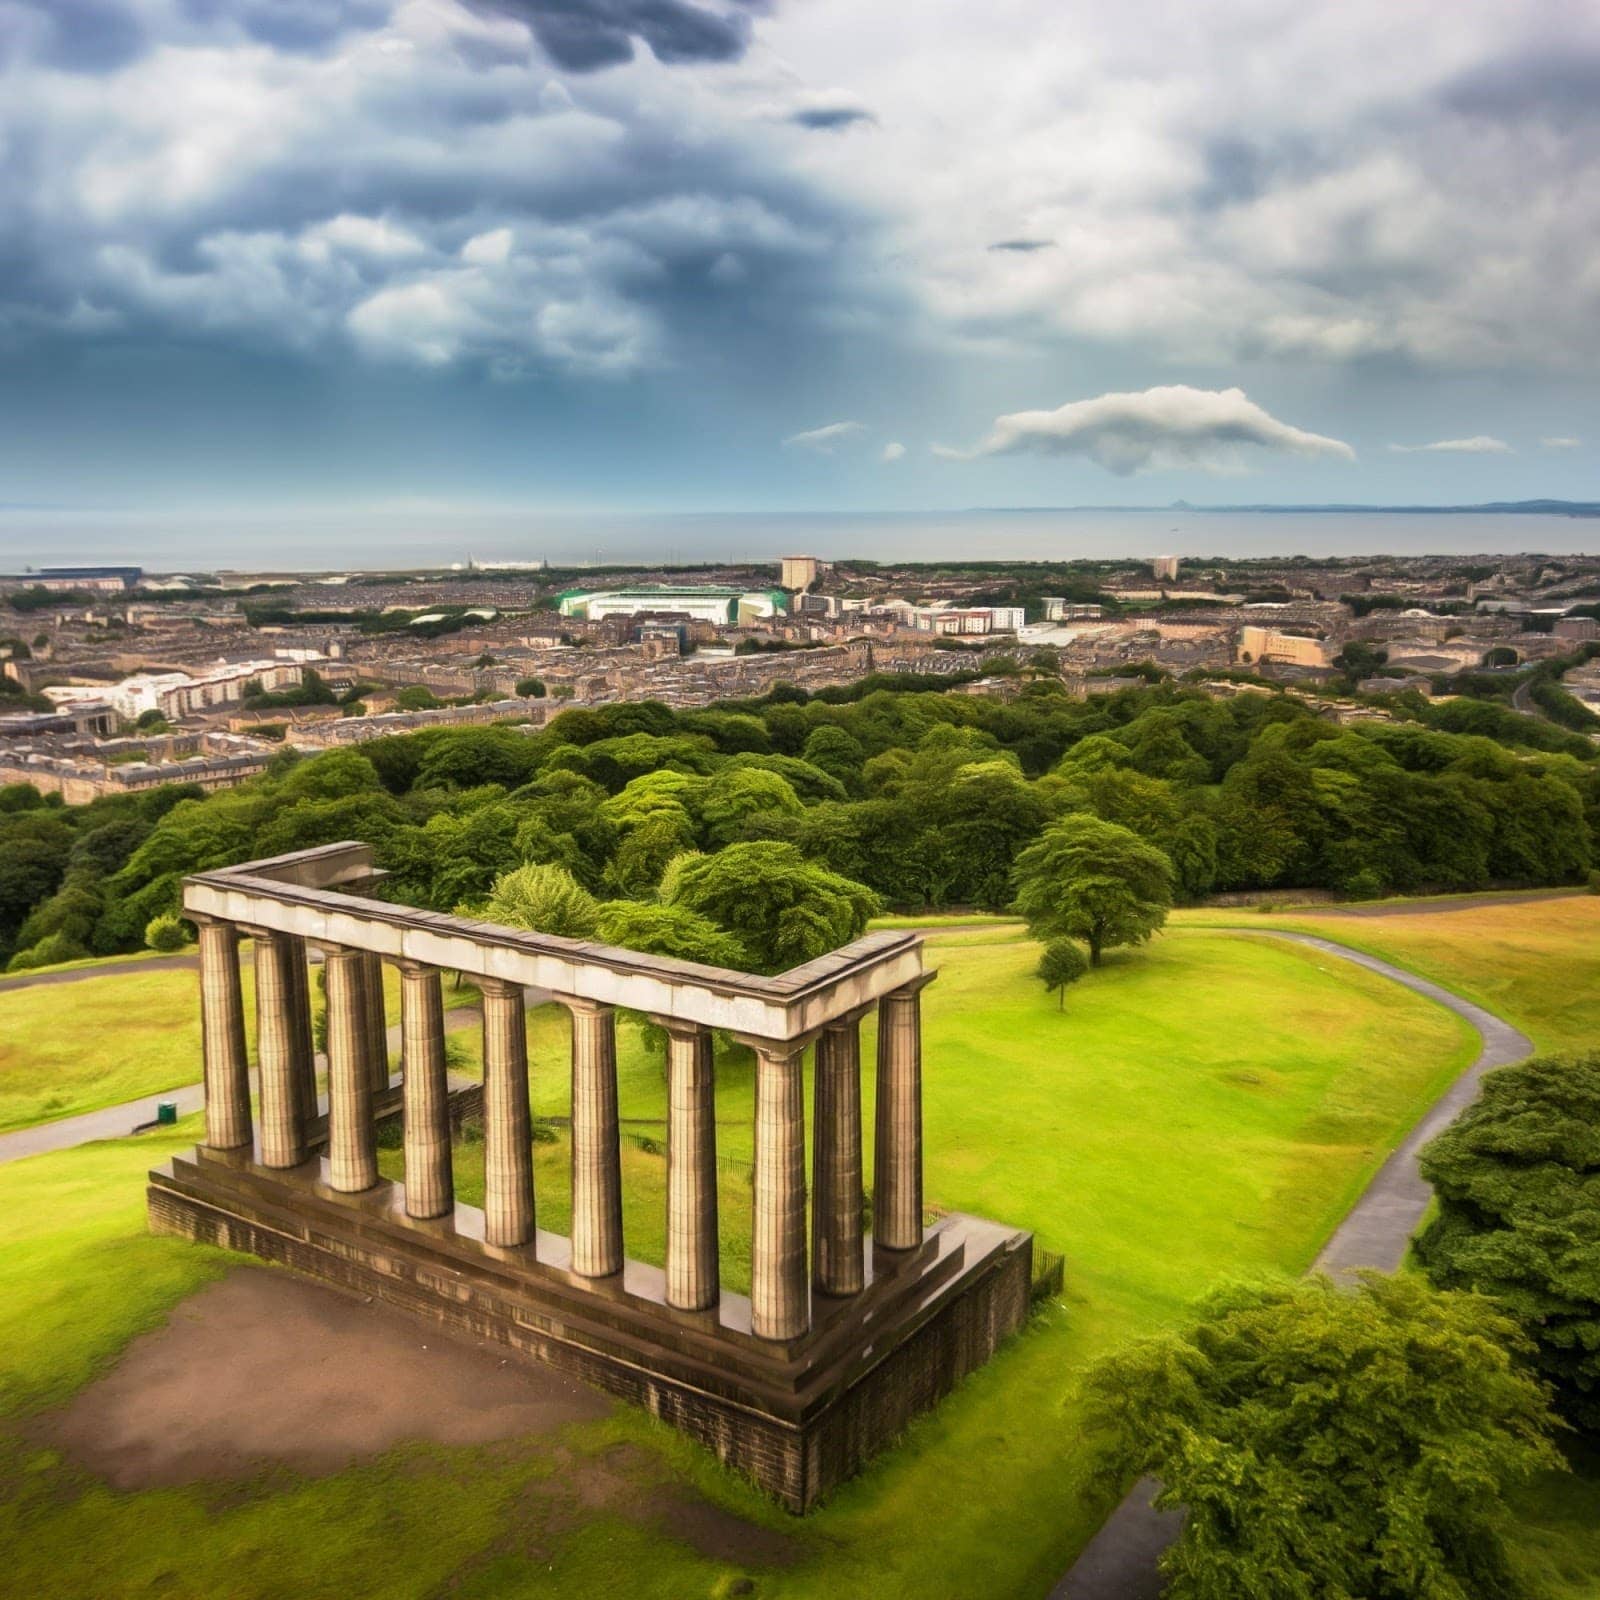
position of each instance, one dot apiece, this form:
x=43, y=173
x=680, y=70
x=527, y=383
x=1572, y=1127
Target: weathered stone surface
x=429, y=1182
x=798, y=1419
x=692, y=1267
x=227, y=1067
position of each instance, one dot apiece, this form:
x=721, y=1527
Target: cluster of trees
x=927, y=798
x=1327, y=1441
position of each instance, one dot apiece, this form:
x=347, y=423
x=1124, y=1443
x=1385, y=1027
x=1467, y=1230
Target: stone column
x=507, y=1120
x=227, y=1067
x=596, y=1153
x=304, y=1038
x=780, y=1304
x=377, y=1027
x=836, y=1255
x=429, y=1188
x=897, y=1163
x=352, y=1141
x=693, y=1279
x=283, y=1129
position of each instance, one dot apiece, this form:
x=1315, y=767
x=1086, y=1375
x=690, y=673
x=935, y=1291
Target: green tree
x=784, y=909
x=546, y=899
x=1092, y=880
x=670, y=931
x=1061, y=962
x=417, y=697
x=1325, y=1442
x=530, y=688
x=1517, y=1177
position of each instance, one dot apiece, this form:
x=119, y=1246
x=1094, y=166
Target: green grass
x=75, y=1047
x=1533, y=962
x=99, y=1041
x=1204, y=1107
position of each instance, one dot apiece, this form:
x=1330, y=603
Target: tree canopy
x=1095, y=881
x=1517, y=1177
x=1060, y=963
x=783, y=909
x=1330, y=1444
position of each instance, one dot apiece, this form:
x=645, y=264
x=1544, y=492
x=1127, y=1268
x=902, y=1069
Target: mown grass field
x=68, y=1048
x=1207, y=1106
x=1534, y=962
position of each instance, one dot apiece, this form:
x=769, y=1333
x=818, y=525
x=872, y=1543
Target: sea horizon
x=401, y=540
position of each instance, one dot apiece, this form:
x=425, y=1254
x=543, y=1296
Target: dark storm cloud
x=825, y=119
x=590, y=35
x=297, y=26
x=1558, y=87
x=1022, y=247
x=90, y=36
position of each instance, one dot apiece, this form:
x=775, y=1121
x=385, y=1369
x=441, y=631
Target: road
x=1120, y=1562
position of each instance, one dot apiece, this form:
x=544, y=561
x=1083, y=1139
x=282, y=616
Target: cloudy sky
x=753, y=254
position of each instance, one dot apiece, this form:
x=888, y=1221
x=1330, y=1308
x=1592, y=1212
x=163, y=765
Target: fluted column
x=507, y=1120
x=897, y=1161
x=430, y=1190
x=596, y=1152
x=692, y=1271
x=227, y=1068
x=780, y=1303
x=352, y=1141
x=377, y=1027
x=305, y=1049
x=836, y=1255
x=283, y=1129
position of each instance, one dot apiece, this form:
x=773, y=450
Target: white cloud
x=1201, y=205
x=1480, y=444
x=822, y=440
x=366, y=236
x=1561, y=442
x=489, y=249
x=893, y=451
x=1155, y=430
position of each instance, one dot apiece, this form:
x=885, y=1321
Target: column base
x=799, y=1416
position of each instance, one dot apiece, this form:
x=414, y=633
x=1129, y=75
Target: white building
x=724, y=607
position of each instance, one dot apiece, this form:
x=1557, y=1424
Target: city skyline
x=431, y=259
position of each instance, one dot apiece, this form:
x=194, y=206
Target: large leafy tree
x=783, y=908
x=1094, y=881
x=1331, y=1443
x=1518, y=1181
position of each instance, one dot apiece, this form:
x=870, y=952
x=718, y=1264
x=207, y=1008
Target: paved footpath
x=112, y=969
x=1120, y=1562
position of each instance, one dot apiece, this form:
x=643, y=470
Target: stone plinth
x=799, y=1417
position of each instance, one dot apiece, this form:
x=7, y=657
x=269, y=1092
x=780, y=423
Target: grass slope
x=1534, y=962
x=1204, y=1107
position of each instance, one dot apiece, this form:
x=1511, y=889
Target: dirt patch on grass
x=265, y=1369
x=264, y=1372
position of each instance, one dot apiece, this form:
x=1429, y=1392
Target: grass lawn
x=1207, y=1106
x=74, y=1047
x=1534, y=962
x=98, y=1041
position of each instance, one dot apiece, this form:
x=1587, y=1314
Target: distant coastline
x=1488, y=508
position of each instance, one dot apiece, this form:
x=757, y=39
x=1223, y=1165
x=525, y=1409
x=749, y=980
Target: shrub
x=166, y=932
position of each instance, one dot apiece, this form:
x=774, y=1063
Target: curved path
x=109, y=969
x=1120, y=1562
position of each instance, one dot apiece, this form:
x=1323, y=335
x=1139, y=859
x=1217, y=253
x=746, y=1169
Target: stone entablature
x=845, y=1333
